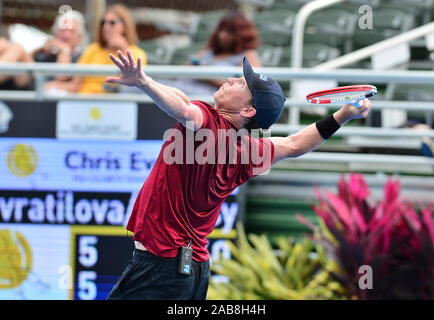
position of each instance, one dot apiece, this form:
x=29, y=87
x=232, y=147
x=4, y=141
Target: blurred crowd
x=234, y=37
x=68, y=44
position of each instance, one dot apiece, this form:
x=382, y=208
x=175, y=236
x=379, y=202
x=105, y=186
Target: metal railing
x=301, y=184
x=352, y=57
x=40, y=72
x=300, y=22
x=368, y=51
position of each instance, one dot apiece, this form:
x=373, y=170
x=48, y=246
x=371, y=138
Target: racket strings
x=342, y=94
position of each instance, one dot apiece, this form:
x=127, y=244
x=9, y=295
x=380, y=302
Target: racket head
x=346, y=94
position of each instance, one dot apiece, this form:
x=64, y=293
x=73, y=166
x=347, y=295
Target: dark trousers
x=149, y=277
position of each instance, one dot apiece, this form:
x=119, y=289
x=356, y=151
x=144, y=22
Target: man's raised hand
x=131, y=73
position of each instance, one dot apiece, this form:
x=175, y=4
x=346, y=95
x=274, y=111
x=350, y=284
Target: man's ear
x=248, y=111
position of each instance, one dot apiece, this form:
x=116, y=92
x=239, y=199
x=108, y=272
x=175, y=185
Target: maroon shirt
x=182, y=201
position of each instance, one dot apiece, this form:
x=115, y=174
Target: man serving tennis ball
x=180, y=201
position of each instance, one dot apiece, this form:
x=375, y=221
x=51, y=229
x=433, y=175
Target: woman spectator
x=117, y=31
x=234, y=37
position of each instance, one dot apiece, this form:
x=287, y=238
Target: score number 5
x=88, y=257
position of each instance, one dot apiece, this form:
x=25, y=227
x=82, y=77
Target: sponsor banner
x=103, y=120
x=50, y=164
x=74, y=245
x=73, y=262
x=28, y=119
x=66, y=207
x=33, y=260
x=36, y=119
x=88, y=208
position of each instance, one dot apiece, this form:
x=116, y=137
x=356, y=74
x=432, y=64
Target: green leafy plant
x=393, y=238
x=295, y=270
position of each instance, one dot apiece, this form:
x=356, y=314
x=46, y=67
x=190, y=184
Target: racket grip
x=356, y=103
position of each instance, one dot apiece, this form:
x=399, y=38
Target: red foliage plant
x=392, y=237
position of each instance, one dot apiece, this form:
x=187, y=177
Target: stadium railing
x=40, y=72
x=399, y=163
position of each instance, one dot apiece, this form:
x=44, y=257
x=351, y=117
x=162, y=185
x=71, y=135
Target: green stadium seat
x=270, y=55
x=422, y=10
x=278, y=216
x=270, y=37
x=293, y=5
x=206, y=24
x=275, y=26
x=386, y=23
x=182, y=55
x=333, y=27
x=313, y=54
x=353, y=6
x=412, y=92
x=156, y=53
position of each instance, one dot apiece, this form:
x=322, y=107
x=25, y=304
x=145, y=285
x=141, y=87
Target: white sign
x=391, y=57
x=429, y=41
x=50, y=164
x=303, y=87
x=107, y=120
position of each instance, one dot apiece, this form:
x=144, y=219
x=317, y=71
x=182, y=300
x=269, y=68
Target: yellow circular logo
x=95, y=113
x=15, y=259
x=22, y=160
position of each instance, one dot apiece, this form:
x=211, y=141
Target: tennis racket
x=349, y=94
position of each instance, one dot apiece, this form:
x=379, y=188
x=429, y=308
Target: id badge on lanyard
x=185, y=261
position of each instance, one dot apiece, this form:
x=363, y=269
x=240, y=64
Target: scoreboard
x=64, y=205
x=100, y=254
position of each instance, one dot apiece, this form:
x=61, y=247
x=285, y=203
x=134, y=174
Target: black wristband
x=327, y=126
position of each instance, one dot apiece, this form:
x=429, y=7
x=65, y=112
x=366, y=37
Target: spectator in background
x=68, y=41
x=234, y=37
x=117, y=31
x=67, y=44
x=13, y=53
x=69, y=38
x=427, y=147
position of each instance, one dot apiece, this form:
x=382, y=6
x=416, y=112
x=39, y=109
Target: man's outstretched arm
x=310, y=138
x=171, y=100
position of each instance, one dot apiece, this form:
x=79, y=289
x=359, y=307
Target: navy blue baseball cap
x=268, y=98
